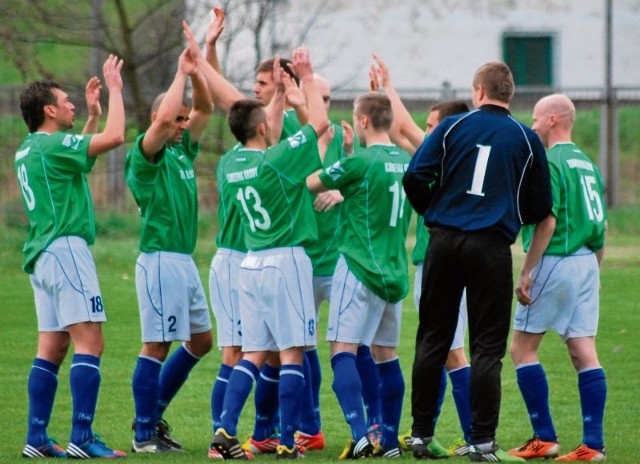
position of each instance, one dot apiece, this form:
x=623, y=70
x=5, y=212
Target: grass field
x=115, y=253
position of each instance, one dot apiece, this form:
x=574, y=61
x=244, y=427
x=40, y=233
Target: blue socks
x=145, y=385
x=532, y=381
x=315, y=379
x=290, y=393
x=392, y=388
x=592, y=386
x=348, y=389
x=173, y=375
x=266, y=402
x=460, y=382
x=309, y=422
x=370, y=379
x=218, y=392
x=42, y=386
x=85, y=383
x=238, y=390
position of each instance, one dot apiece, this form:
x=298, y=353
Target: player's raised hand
x=192, y=44
x=301, y=62
x=92, y=97
x=374, y=84
x=111, y=72
x=382, y=71
x=186, y=63
x=216, y=26
x=293, y=93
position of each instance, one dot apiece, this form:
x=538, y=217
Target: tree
x=146, y=35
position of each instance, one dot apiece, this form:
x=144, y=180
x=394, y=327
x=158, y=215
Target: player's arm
x=163, y=126
x=318, y=118
x=223, y=93
x=406, y=132
x=539, y=242
x=275, y=108
x=422, y=178
x=314, y=184
x=94, y=110
x=113, y=133
x=215, y=28
x=202, y=106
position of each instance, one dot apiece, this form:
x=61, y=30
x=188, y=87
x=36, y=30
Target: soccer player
x=476, y=179
x=51, y=167
x=159, y=169
x=405, y=132
x=324, y=256
x=276, y=300
x=371, y=275
x=558, y=287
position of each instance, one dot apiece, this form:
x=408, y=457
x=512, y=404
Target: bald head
x=553, y=118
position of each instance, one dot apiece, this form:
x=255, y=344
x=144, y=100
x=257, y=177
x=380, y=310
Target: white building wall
x=427, y=42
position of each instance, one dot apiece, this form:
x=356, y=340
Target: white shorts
x=458, y=338
x=357, y=315
x=321, y=291
x=65, y=286
x=171, y=298
x=565, y=293
x=224, y=292
x=276, y=300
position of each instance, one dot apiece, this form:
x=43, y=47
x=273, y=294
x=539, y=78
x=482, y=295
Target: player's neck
x=377, y=138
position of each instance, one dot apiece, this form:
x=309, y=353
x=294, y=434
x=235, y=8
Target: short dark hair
x=267, y=66
x=377, y=107
x=496, y=79
x=244, y=117
x=34, y=98
x=449, y=108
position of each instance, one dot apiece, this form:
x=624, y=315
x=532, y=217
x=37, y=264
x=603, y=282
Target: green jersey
x=375, y=217
x=578, y=202
x=290, y=124
x=166, y=195
x=270, y=189
x=51, y=171
x=230, y=234
x=422, y=241
x=324, y=251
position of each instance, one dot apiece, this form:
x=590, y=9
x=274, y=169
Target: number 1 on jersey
x=480, y=170
x=397, y=208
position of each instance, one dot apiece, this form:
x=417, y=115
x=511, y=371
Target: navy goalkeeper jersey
x=481, y=170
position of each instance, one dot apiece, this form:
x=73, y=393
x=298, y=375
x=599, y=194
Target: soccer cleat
x=50, y=449
x=310, y=442
x=584, y=453
x=459, y=448
x=93, y=448
x=362, y=448
x=495, y=454
x=213, y=453
x=163, y=432
x=266, y=446
x=428, y=448
x=406, y=441
x=283, y=452
x=380, y=452
x=536, y=448
x=228, y=446
x=153, y=445
x=374, y=432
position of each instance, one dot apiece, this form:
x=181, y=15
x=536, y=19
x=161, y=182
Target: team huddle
x=312, y=211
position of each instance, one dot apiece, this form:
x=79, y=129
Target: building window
x=530, y=57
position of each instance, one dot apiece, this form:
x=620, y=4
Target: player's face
x=264, y=88
x=63, y=111
x=432, y=121
x=358, y=124
x=541, y=125
x=180, y=124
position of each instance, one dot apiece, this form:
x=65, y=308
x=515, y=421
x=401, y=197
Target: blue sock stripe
x=268, y=379
x=246, y=371
x=150, y=358
x=456, y=369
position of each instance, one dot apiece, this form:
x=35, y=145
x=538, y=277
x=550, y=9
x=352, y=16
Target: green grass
x=115, y=253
